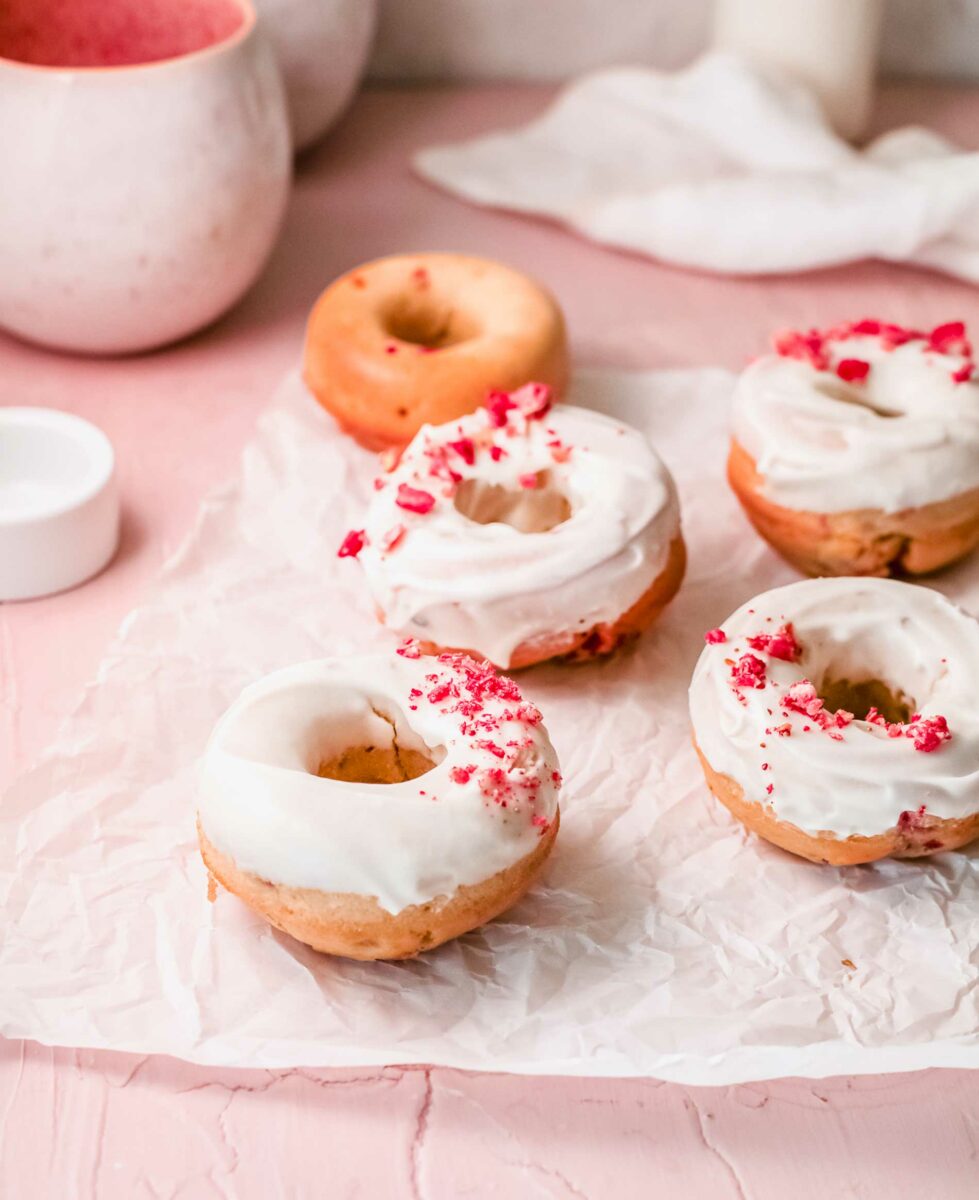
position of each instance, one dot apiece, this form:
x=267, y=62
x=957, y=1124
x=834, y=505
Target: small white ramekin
x=59, y=502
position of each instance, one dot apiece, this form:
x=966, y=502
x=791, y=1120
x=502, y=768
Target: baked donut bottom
x=356, y=926
x=599, y=640
x=915, y=838
x=914, y=541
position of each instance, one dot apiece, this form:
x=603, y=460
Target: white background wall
x=552, y=39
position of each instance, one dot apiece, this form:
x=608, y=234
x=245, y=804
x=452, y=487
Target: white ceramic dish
x=59, y=503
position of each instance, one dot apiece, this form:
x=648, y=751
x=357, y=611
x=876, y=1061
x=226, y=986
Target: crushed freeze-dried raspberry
x=748, y=672
x=928, y=733
x=853, y=370
x=533, y=400
x=352, y=544
x=802, y=697
x=498, y=405
x=805, y=346
x=466, y=449
x=414, y=499
x=782, y=644
x=950, y=338
x=714, y=637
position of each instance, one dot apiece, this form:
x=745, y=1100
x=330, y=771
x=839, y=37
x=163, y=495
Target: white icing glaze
x=821, y=445
x=404, y=843
x=910, y=637
x=490, y=587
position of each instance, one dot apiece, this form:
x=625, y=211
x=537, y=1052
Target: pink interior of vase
x=112, y=33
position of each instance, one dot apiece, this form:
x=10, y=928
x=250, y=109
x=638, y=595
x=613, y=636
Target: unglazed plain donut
x=856, y=451
x=375, y=807
x=523, y=532
x=423, y=338
x=837, y=719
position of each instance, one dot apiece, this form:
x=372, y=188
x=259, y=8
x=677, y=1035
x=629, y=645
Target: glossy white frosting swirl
x=483, y=807
x=490, y=587
x=857, y=779
x=905, y=436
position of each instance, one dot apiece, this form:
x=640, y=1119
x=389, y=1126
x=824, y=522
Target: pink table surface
x=79, y=1123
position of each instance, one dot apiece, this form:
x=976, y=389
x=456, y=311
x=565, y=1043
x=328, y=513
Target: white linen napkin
x=724, y=168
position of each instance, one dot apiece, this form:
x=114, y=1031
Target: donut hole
x=528, y=510
x=424, y=320
x=369, y=745
x=376, y=764
x=838, y=389
x=859, y=696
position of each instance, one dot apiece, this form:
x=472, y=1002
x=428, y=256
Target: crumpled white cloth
x=661, y=939
x=723, y=168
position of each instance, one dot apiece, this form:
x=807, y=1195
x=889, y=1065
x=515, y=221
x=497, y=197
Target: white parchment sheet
x=662, y=941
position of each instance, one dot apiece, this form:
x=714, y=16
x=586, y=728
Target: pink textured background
x=78, y=1124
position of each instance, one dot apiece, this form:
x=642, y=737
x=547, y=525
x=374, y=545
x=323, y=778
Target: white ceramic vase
x=139, y=202
x=322, y=48
x=831, y=45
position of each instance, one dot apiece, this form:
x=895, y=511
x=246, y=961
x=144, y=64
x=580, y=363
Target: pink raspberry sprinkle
x=414, y=499
x=533, y=400
x=352, y=544
x=529, y=480
x=393, y=538
x=466, y=449
x=805, y=346
x=928, y=733
x=950, y=338
x=782, y=644
x=802, y=698
x=461, y=774
x=748, y=672
x=853, y=370
x=496, y=453
x=714, y=637
x=442, y=690
x=409, y=649
x=498, y=405
x=964, y=373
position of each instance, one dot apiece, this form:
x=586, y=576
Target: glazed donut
x=837, y=719
x=523, y=532
x=856, y=451
x=375, y=807
x=423, y=338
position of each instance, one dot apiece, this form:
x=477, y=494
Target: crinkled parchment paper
x=662, y=941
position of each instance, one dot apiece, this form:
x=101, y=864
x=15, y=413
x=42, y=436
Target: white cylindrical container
x=144, y=167
x=59, y=504
x=831, y=45
x=322, y=48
